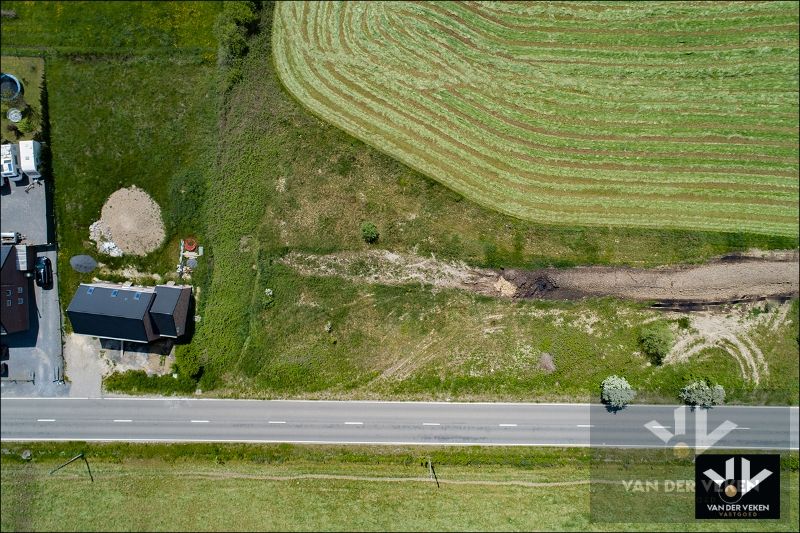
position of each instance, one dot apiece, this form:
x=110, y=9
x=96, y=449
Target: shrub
x=369, y=232
x=616, y=392
x=25, y=125
x=702, y=393
x=231, y=29
x=684, y=322
x=137, y=381
x=656, y=341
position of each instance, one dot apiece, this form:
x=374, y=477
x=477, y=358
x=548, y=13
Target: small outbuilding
x=30, y=159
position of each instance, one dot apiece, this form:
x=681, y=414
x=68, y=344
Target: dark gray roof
x=166, y=299
x=129, y=313
x=110, y=301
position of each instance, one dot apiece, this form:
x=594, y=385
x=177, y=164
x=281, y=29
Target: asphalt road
x=196, y=420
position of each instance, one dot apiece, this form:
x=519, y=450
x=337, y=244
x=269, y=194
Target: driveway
x=35, y=360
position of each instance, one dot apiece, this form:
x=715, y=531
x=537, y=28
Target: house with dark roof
x=15, y=263
x=136, y=314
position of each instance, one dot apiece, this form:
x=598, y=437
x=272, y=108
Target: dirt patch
x=732, y=332
x=389, y=268
x=546, y=363
x=130, y=223
x=737, y=277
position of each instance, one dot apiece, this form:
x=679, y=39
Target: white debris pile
x=100, y=233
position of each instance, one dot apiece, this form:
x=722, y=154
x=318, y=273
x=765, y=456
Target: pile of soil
x=130, y=220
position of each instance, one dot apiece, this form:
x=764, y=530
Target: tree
x=616, y=392
x=369, y=232
x=701, y=393
x=656, y=341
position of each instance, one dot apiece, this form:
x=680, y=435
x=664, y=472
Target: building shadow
x=158, y=347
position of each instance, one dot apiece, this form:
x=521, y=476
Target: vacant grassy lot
x=131, y=102
x=299, y=184
x=237, y=487
x=663, y=116
x=29, y=71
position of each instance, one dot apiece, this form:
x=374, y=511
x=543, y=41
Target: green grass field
x=131, y=101
x=301, y=184
x=286, y=488
x=663, y=116
x=254, y=175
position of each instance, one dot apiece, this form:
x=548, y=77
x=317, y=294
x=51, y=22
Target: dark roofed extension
x=169, y=310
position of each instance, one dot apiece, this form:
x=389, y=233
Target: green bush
x=369, y=232
x=684, y=322
x=616, y=392
x=137, y=381
x=26, y=125
x=656, y=341
x=702, y=393
x=231, y=29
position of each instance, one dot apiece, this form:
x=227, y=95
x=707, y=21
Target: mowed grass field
x=200, y=487
x=662, y=115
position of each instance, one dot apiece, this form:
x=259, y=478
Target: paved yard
x=35, y=357
x=26, y=212
x=36, y=353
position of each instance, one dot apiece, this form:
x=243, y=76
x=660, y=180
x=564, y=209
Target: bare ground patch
x=747, y=276
x=733, y=332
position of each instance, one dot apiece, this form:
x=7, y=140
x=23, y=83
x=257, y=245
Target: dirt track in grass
x=738, y=277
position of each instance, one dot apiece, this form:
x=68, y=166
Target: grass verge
x=287, y=487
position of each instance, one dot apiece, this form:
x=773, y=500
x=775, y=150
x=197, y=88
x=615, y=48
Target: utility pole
x=79, y=456
x=432, y=472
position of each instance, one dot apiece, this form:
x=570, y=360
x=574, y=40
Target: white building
x=10, y=162
x=30, y=158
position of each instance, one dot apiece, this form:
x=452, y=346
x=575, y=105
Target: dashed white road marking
x=740, y=427
x=199, y=421
x=660, y=427
x=45, y=419
x=507, y=425
x=585, y=425
x=122, y=420
x=276, y=422
x=431, y=424
x=354, y=423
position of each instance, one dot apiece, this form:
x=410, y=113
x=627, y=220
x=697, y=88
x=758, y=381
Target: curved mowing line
x=400, y=26
x=494, y=163
x=599, y=212
x=440, y=87
x=517, y=146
